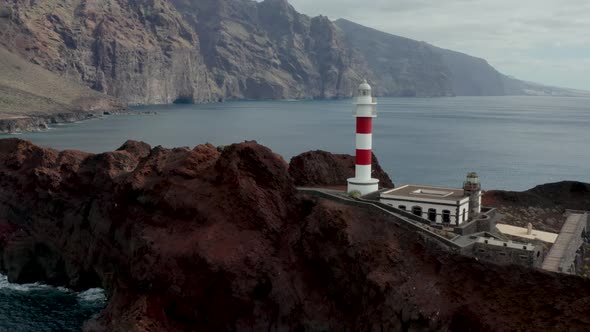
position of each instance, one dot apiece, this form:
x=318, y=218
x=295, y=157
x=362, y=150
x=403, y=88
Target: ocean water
x=41, y=308
x=512, y=142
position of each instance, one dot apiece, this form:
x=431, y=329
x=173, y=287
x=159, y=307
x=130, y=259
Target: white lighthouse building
x=365, y=110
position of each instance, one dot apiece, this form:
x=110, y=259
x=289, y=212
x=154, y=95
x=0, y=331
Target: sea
x=513, y=143
x=41, y=308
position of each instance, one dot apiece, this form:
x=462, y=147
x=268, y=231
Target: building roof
x=418, y=192
x=522, y=233
x=364, y=86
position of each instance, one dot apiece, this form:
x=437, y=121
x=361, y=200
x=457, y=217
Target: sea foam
x=4, y=284
x=91, y=295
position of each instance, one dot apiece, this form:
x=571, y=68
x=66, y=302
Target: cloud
x=517, y=37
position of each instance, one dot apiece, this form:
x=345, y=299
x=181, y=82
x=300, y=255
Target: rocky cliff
x=197, y=239
x=31, y=97
x=268, y=50
x=141, y=52
x=399, y=66
x=164, y=51
x=322, y=168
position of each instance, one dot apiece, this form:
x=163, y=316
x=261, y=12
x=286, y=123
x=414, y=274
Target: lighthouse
x=365, y=110
x=472, y=189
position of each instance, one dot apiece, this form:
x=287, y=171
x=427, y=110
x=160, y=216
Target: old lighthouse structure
x=365, y=110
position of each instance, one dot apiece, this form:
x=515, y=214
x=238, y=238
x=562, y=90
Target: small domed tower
x=472, y=188
x=364, y=111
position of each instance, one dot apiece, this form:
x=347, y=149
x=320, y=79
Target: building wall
x=455, y=219
x=485, y=222
x=508, y=255
x=431, y=239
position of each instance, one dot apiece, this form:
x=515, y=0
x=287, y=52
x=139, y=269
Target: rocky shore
x=32, y=123
x=209, y=239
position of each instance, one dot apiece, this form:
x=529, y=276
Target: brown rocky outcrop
x=321, y=168
x=543, y=206
x=201, y=240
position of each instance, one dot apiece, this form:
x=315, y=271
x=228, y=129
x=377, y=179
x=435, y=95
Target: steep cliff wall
x=268, y=50
x=400, y=66
x=32, y=97
x=141, y=52
x=164, y=51
x=471, y=76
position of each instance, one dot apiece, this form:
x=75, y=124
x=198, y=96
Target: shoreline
x=42, y=122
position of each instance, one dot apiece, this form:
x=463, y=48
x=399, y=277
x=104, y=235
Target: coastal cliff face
x=165, y=51
x=141, y=52
x=158, y=51
x=198, y=239
x=32, y=98
x=401, y=66
x=268, y=50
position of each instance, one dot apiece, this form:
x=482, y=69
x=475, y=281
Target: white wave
x=92, y=295
x=4, y=284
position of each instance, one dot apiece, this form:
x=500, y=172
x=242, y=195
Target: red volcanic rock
x=567, y=194
x=542, y=206
x=321, y=168
x=202, y=240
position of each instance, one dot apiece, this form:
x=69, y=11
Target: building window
x=402, y=207
x=464, y=214
x=417, y=210
x=446, y=217
x=432, y=215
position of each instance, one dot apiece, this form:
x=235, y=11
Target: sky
x=544, y=41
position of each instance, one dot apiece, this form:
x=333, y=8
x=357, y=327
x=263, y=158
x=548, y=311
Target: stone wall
x=484, y=223
x=509, y=255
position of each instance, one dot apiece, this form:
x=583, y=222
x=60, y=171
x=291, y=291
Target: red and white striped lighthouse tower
x=365, y=110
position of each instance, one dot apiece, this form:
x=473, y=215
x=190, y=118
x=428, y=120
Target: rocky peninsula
x=212, y=239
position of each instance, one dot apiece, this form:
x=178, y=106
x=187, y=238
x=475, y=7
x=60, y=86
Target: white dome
x=364, y=86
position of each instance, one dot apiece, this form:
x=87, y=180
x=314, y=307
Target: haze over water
x=514, y=143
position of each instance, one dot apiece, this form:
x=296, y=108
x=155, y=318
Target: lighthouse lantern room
x=365, y=110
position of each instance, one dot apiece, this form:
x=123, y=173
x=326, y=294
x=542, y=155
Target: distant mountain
x=398, y=66
x=164, y=51
x=406, y=67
